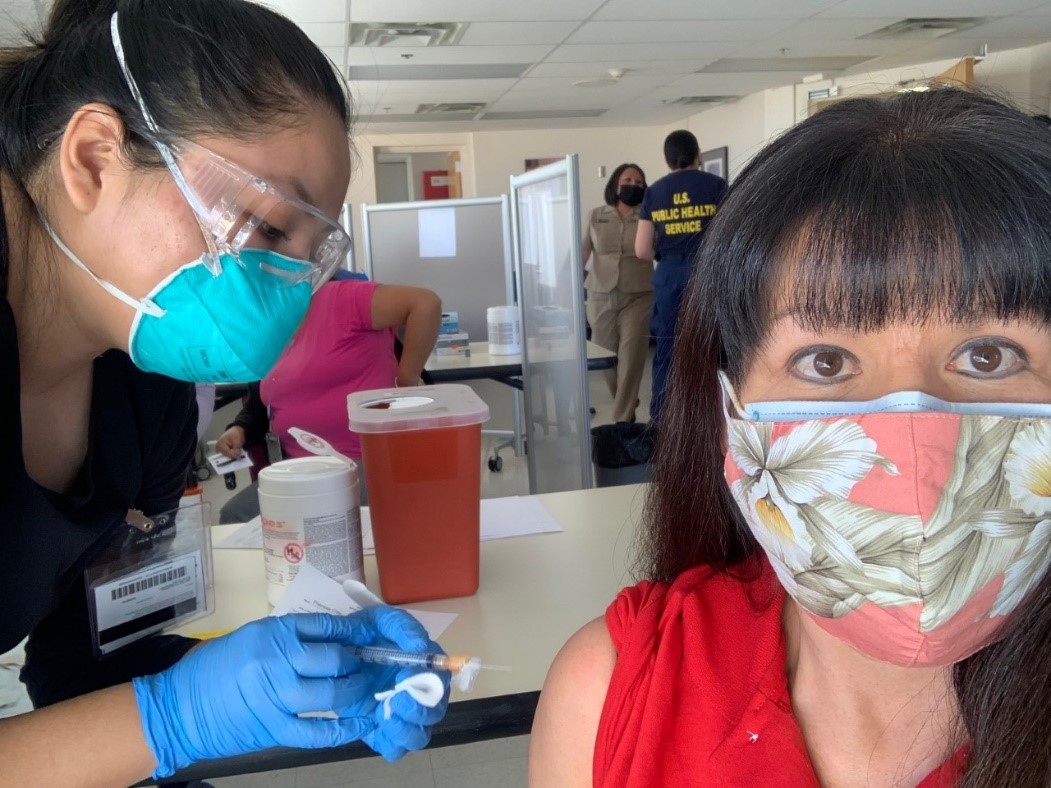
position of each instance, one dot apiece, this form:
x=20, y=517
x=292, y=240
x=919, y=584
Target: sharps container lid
x=306, y=476
x=415, y=408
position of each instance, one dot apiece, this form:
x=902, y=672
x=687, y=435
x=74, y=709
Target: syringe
x=463, y=667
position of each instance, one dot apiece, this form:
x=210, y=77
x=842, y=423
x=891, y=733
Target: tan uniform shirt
x=611, y=239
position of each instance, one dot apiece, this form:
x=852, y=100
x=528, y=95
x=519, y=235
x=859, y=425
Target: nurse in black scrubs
x=167, y=175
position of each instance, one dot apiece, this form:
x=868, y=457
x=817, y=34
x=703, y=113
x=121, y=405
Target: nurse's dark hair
x=876, y=210
x=205, y=67
x=681, y=149
x=610, y=193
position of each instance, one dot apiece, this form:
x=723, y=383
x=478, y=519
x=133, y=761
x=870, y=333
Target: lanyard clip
x=139, y=521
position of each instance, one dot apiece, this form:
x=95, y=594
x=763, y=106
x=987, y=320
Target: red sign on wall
x=436, y=184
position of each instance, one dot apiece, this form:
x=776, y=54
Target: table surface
x=481, y=364
x=534, y=593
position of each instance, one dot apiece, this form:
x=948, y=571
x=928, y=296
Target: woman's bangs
x=861, y=268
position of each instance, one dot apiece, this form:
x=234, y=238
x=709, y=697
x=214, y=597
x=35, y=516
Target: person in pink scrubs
x=346, y=344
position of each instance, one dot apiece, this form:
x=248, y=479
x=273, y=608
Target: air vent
x=451, y=108
x=926, y=27
x=406, y=34
x=683, y=101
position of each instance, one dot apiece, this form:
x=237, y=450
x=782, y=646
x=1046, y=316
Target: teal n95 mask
x=202, y=327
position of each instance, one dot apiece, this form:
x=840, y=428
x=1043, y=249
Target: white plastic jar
x=310, y=512
x=505, y=330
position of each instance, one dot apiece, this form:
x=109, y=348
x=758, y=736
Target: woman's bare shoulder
x=566, y=722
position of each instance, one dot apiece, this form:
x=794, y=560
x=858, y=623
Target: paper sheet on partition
x=315, y=592
x=437, y=228
x=501, y=518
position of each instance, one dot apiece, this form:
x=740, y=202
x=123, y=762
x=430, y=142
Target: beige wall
x=489, y=158
x=501, y=154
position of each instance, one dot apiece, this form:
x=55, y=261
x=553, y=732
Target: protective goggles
x=238, y=210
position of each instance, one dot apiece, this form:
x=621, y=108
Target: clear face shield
x=237, y=210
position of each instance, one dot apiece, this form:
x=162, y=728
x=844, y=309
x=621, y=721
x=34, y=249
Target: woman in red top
x=849, y=529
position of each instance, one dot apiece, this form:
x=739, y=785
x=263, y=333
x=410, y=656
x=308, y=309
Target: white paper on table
x=315, y=592
x=501, y=518
x=516, y=515
x=249, y=535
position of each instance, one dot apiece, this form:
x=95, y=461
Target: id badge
x=273, y=447
x=156, y=575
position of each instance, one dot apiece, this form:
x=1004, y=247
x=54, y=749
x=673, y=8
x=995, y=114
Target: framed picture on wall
x=715, y=162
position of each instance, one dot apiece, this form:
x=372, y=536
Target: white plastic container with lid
x=505, y=330
x=310, y=512
x=422, y=452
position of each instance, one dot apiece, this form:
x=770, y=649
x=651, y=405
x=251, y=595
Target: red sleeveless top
x=699, y=694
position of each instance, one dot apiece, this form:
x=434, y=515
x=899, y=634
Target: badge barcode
x=147, y=582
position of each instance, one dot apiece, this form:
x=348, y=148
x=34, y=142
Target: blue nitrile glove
x=409, y=727
x=241, y=693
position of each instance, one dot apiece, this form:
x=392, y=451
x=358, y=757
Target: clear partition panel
x=546, y=230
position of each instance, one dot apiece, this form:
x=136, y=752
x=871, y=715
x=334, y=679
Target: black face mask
x=631, y=195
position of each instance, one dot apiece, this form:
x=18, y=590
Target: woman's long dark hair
x=205, y=67
x=876, y=210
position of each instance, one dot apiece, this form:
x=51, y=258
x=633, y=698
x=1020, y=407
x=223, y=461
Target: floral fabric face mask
x=906, y=526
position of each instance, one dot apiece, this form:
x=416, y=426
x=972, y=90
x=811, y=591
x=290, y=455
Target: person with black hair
x=675, y=212
x=619, y=286
x=168, y=176
x=847, y=541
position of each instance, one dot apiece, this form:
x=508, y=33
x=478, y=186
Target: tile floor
x=499, y=762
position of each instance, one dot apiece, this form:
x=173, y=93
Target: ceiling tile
x=1014, y=27
x=471, y=10
x=721, y=85
x=713, y=9
x=678, y=32
x=786, y=46
x=828, y=38
x=599, y=68
x=798, y=65
x=627, y=53
x=503, y=34
x=821, y=28
x=557, y=101
x=326, y=34
x=860, y=9
x=454, y=71
x=307, y=11
x=366, y=106
x=627, y=85
x=482, y=89
x=371, y=56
